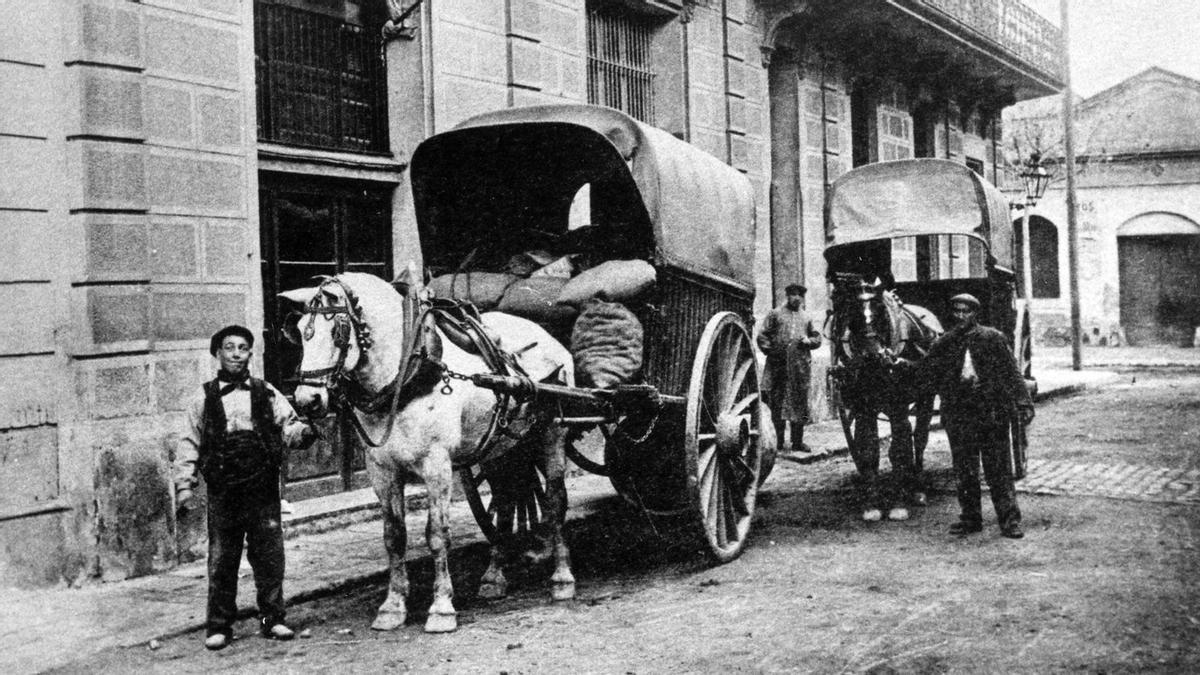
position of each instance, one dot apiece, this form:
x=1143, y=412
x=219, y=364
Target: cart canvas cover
x=695, y=211
x=917, y=197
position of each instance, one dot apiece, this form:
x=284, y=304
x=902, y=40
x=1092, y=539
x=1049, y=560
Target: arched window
x=1043, y=257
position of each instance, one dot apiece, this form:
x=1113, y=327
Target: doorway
x=313, y=227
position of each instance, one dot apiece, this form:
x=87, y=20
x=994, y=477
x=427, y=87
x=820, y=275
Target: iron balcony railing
x=1011, y=25
x=321, y=82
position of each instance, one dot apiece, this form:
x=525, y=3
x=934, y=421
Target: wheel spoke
x=705, y=466
x=707, y=436
x=744, y=403
x=719, y=502
x=731, y=516
x=737, y=379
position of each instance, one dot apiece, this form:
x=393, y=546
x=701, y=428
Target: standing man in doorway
x=237, y=425
x=787, y=336
x=973, y=370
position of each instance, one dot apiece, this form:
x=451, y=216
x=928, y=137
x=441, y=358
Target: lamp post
x=1036, y=178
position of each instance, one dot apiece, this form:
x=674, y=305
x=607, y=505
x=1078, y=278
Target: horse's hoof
x=559, y=592
x=441, y=623
x=898, y=513
x=920, y=499
x=872, y=515
x=388, y=621
x=492, y=590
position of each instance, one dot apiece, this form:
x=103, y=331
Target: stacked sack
x=607, y=340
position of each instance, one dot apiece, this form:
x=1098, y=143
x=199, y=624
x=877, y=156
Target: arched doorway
x=1159, y=266
x=1043, y=254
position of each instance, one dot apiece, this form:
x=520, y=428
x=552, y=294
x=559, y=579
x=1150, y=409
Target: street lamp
x=1036, y=178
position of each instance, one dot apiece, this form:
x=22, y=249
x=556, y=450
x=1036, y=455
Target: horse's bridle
x=347, y=321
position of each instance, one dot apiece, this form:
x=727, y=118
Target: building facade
x=1138, y=212
x=170, y=166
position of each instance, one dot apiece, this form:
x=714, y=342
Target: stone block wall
x=126, y=242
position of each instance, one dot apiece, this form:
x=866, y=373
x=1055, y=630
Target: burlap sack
x=607, y=344
x=533, y=299
x=614, y=280
x=484, y=289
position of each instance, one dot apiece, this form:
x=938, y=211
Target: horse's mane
x=382, y=310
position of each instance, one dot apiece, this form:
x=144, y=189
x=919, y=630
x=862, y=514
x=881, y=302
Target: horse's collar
x=418, y=371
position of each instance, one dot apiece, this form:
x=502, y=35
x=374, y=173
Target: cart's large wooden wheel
x=507, y=496
x=722, y=432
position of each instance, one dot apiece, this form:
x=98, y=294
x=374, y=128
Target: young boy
x=236, y=427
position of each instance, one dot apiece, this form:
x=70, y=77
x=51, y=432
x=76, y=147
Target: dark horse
x=871, y=329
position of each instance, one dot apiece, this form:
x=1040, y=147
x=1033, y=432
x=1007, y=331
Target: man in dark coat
x=973, y=370
x=236, y=427
x=787, y=336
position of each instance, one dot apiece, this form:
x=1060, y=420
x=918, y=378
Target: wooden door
x=1160, y=288
x=311, y=228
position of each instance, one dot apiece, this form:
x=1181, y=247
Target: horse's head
x=351, y=327
x=864, y=327
x=335, y=338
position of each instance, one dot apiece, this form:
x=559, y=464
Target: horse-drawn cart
x=571, y=185
x=905, y=237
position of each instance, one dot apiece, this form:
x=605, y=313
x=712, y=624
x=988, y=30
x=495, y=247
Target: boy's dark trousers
x=232, y=519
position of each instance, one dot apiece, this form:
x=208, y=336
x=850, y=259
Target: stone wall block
x=23, y=257
x=26, y=89
x=30, y=327
x=525, y=58
x=176, y=382
x=190, y=315
x=33, y=552
x=460, y=98
x=27, y=179
x=192, y=50
x=706, y=71
x=226, y=256
x=474, y=12
x=473, y=53
x=737, y=115
x=26, y=36
x=113, y=176
x=116, y=247
x=121, y=391
x=708, y=110
x=736, y=10
x=192, y=183
x=109, y=33
x=110, y=318
x=739, y=152
x=109, y=102
x=737, y=40
x=174, y=251
x=169, y=114
x=220, y=122
x=525, y=18
x=563, y=28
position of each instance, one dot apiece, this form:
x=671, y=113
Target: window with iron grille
x=321, y=81
x=620, y=70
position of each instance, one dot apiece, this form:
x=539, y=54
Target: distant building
x=170, y=166
x=1138, y=194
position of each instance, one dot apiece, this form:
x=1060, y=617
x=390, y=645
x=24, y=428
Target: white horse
x=356, y=334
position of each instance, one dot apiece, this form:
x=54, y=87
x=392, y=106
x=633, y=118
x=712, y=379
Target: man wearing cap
x=973, y=370
x=786, y=336
x=237, y=425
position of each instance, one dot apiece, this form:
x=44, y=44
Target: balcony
x=1009, y=25
x=321, y=82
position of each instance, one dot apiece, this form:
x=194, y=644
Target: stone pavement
x=47, y=628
